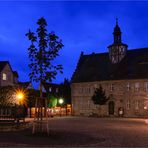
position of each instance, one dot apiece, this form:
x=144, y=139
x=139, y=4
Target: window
x=128, y=104
x=145, y=86
x=111, y=87
x=128, y=86
x=4, y=76
x=81, y=90
x=137, y=86
x=136, y=104
x=89, y=90
x=81, y=103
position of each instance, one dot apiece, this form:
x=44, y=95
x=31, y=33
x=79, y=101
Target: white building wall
x=134, y=101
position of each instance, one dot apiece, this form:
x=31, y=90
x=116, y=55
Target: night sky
x=83, y=26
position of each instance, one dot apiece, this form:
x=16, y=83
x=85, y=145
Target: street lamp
x=19, y=111
x=20, y=97
x=61, y=101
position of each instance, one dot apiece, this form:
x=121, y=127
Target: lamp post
x=19, y=113
x=61, y=101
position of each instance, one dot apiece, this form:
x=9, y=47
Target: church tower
x=117, y=50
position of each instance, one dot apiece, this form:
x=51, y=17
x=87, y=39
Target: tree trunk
x=66, y=109
x=99, y=111
x=41, y=97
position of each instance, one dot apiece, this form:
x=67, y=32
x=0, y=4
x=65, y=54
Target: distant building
x=123, y=75
x=62, y=90
x=51, y=88
x=8, y=77
x=59, y=91
x=25, y=85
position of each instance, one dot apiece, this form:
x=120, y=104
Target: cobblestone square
x=83, y=132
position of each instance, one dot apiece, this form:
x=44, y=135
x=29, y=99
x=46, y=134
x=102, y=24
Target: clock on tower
x=117, y=50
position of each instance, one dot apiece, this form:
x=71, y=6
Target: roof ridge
x=144, y=48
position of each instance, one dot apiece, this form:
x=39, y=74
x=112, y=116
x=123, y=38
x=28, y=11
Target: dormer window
x=4, y=77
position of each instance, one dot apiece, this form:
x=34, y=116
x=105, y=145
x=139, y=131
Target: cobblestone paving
x=83, y=132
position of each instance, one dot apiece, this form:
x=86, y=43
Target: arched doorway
x=111, y=106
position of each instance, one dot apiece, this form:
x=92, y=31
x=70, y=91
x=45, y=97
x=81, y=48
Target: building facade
x=51, y=88
x=123, y=74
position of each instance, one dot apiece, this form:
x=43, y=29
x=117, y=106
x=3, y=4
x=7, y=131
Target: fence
x=12, y=113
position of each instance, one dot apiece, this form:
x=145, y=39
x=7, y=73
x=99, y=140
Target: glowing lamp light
x=61, y=101
x=20, y=96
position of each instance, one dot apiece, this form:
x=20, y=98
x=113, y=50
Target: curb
x=15, y=127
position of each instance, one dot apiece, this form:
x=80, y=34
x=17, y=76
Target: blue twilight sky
x=83, y=26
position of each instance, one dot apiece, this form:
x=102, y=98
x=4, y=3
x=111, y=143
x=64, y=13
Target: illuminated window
x=4, y=76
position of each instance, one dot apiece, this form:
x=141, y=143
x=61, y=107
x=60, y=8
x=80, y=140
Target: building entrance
x=111, y=106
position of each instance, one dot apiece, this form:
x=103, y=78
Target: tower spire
x=117, y=50
x=117, y=33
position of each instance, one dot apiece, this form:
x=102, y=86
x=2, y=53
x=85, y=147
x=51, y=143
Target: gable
x=4, y=65
x=6, y=68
